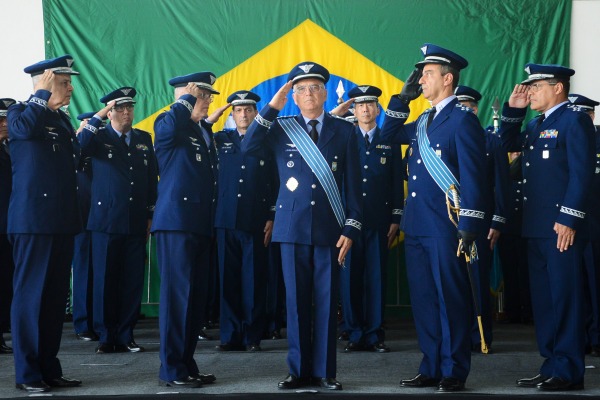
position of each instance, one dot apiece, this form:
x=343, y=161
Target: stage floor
x=245, y=374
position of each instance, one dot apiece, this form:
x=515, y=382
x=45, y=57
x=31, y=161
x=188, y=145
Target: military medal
x=545, y=154
x=410, y=152
x=382, y=160
x=291, y=184
x=198, y=157
x=334, y=166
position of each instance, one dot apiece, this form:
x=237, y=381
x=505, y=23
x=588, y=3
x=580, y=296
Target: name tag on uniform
x=198, y=157
x=545, y=154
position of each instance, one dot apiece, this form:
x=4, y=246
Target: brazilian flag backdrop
x=252, y=44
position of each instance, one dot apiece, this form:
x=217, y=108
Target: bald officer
x=362, y=283
x=7, y=265
x=183, y=224
x=447, y=148
x=123, y=197
x=43, y=218
x=558, y=165
x=316, y=155
x=244, y=224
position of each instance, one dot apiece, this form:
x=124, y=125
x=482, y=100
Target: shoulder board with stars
x=341, y=119
x=575, y=107
x=464, y=108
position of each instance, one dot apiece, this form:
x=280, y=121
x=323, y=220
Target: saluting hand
x=278, y=101
x=104, y=112
x=45, y=82
x=192, y=88
x=566, y=236
x=342, y=109
x=344, y=244
x=519, y=98
x=214, y=117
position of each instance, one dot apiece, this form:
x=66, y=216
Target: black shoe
x=275, y=335
x=104, y=348
x=131, y=347
x=204, y=336
x=188, y=382
x=230, y=347
x=254, y=347
x=62, y=382
x=344, y=336
x=378, y=348
x=555, y=384
x=353, y=346
x=419, y=381
x=451, y=385
x=327, y=383
x=33, y=387
x=204, y=378
x=87, y=336
x=293, y=382
x=531, y=382
x=4, y=349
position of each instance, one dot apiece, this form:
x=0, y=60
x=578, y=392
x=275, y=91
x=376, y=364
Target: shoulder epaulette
x=341, y=118
x=464, y=108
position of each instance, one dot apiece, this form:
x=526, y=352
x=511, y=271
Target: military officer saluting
x=362, y=283
x=123, y=197
x=316, y=154
x=447, y=148
x=558, y=164
x=244, y=224
x=496, y=192
x=43, y=218
x=183, y=224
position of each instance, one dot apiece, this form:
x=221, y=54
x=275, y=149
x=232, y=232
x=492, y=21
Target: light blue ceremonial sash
x=434, y=164
x=317, y=163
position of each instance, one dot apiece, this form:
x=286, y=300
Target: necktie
x=430, y=117
x=5, y=147
x=314, y=135
x=367, y=141
x=123, y=138
x=540, y=120
x=242, y=137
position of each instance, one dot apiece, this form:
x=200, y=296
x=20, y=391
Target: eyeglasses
x=536, y=87
x=206, y=96
x=311, y=88
x=122, y=107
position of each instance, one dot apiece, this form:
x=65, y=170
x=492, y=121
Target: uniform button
x=364, y=179
x=530, y=147
x=524, y=180
x=239, y=195
x=413, y=194
x=364, y=194
x=516, y=208
x=291, y=155
x=312, y=203
x=129, y=154
x=130, y=168
x=241, y=180
x=557, y=205
x=519, y=182
x=518, y=191
x=517, y=199
x=524, y=198
x=545, y=145
x=419, y=161
x=213, y=200
x=131, y=199
x=73, y=155
x=280, y=206
x=99, y=203
x=131, y=183
x=527, y=164
x=366, y=167
x=243, y=167
x=367, y=153
x=313, y=186
x=414, y=177
x=45, y=195
x=185, y=198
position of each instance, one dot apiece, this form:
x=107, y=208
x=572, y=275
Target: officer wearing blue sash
x=362, y=283
x=496, y=204
x=591, y=251
x=123, y=196
x=7, y=265
x=43, y=218
x=558, y=166
x=183, y=224
x=83, y=288
x=244, y=224
x=447, y=148
x=316, y=154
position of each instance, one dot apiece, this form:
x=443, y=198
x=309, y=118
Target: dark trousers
x=481, y=270
x=275, y=301
x=591, y=290
x=183, y=261
x=311, y=273
x=7, y=268
x=513, y=256
x=41, y=282
x=118, y=282
x=83, y=284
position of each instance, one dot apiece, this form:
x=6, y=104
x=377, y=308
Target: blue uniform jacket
x=558, y=164
x=498, y=183
x=458, y=139
x=125, y=178
x=246, y=199
x=382, y=180
x=5, y=187
x=44, y=198
x=593, y=209
x=303, y=214
x=188, y=172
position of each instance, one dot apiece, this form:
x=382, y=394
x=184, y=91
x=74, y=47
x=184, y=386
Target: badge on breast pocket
x=438, y=153
x=109, y=155
x=382, y=160
x=198, y=157
x=546, y=154
x=290, y=164
x=334, y=166
x=146, y=163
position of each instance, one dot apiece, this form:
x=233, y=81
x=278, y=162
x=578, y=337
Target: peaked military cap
x=120, y=96
x=465, y=93
x=204, y=80
x=364, y=94
x=60, y=65
x=243, y=97
x=4, y=104
x=308, y=69
x=538, y=72
x=583, y=102
x=438, y=55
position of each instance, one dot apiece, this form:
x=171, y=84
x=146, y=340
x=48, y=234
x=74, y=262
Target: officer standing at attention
x=244, y=223
x=83, y=286
x=7, y=266
x=123, y=197
x=558, y=164
x=362, y=290
x=497, y=194
x=591, y=250
x=316, y=154
x=183, y=224
x=447, y=148
x=43, y=218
